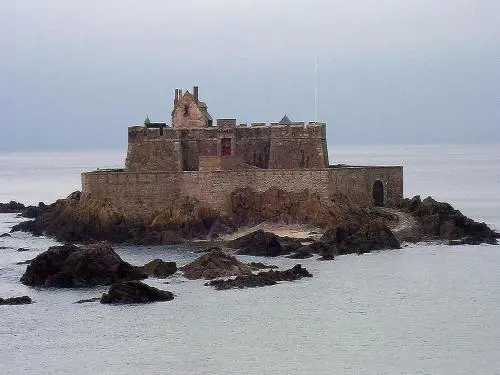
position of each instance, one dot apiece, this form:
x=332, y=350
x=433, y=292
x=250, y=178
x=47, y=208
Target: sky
x=76, y=74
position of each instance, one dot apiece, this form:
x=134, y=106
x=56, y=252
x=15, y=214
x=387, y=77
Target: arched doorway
x=378, y=193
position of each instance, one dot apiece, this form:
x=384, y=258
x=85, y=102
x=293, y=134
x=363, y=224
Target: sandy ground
x=282, y=230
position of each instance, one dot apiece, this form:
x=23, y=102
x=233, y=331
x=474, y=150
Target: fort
x=195, y=157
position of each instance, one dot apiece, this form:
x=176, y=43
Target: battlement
x=255, y=130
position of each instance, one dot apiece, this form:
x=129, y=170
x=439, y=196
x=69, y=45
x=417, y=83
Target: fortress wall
x=136, y=194
x=357, y=182
x=266, y=147
x=142, y=194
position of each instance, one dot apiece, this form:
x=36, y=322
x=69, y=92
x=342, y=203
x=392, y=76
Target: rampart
x=265, y=146
x=141, y=194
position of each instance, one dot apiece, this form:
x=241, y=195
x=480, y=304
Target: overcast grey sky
x=75, y=74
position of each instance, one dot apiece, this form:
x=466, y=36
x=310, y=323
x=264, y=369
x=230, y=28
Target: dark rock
x=32, y=212
x=3, y=235
x=95, y=299
x=302, y=253
x=71, y=266
x=206, y=250
x=159, y=268
x=290, y=245
x=357, y=237
x=258, y=243
x=220, y=227
x=439, y=220
x=16, y=301
x=11, y=207
x=261, y=279
x=261, y=266
x=135, y=292
x=21, y=249
x=24, y=262
x=215, y=264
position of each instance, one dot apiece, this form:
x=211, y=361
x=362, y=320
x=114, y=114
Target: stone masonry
x=195, y=158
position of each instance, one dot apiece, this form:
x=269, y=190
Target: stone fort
x=198, y=157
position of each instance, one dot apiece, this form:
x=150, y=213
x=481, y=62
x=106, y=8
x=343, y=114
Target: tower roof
x=285, y=121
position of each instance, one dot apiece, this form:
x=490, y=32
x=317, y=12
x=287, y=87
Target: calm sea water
x=424, y=309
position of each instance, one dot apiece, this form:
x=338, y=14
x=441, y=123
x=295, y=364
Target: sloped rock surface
x=135, y=292
x=215, y=264
x=70, y=266
x=356, y=237
x=440, y=220
x=259, y=243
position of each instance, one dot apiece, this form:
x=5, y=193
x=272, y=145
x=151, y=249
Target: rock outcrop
x=69, y=266
x=11, y=207
x=215, y=264
x=357, y=237
x=439, y=220
x=159, y=268
x=135, y=292
x=24, y=300
x=81, y=218
x=261, y=279
x=251, y=207
x=258, y=243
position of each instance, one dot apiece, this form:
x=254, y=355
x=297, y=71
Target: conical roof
x=285, y=121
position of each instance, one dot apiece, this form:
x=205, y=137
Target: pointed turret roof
x=285, y=121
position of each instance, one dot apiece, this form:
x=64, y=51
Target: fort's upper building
x=189, y=112
x=194, y=143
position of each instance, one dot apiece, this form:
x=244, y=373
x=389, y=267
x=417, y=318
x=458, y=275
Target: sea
x=422, y=309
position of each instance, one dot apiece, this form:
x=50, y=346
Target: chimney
x=195, y=93
x=180, y=94
x=176, y=99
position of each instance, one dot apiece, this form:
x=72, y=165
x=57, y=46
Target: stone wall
x=142, y=194
x=296, y=146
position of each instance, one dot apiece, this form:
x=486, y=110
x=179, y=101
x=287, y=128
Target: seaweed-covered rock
x=215, y=264
x=261, y=279
x=70, y=266
x=135, y=292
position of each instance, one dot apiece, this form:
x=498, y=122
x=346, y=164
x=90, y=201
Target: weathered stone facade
x=194, y=158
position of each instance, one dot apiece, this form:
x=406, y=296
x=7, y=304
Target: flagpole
x=315, y=88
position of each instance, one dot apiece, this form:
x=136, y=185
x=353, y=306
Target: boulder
x=70, y=266
x=11, y=207
x=135, y=292
x=215, y=264
x=5, y=235
x=261, y=279
x=16, y=301
x=159, y=268
x=258, y=243
x=357, y=237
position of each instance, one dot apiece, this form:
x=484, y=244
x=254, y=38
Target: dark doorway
x=378, y=193
x=225, y=146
